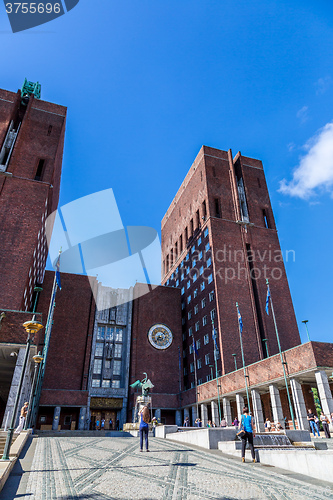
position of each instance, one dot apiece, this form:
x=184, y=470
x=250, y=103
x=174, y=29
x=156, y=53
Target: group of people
x=270, y=426
x=315, y=422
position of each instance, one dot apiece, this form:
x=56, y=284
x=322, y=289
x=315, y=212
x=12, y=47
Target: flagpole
x=217, y=381
x=241, y=344
x=48, y=329
x=281, y=357
x=195, y=377
x=180, y=378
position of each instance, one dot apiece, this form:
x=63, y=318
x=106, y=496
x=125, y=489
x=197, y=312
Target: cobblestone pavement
x=102, y=468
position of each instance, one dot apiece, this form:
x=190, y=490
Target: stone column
x=299, y=404
x=324, y=392
x=14, y=386
x=194, y=414
x=82, y=418
x=56, y=417
x=215, y=413
x=179, y=421
x=227, y=410
x=187, y=414
x=158, y=414
x=276, y=404
x=204, y=415
x=257, y=411
x=240, y=406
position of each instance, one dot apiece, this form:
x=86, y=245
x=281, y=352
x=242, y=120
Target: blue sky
x=147, y=83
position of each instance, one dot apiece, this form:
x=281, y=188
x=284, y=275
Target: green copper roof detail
x=31, y=88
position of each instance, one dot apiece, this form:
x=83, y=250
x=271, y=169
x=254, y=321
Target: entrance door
x=109, y=416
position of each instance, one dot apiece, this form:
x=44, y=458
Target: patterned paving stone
x=113, y=468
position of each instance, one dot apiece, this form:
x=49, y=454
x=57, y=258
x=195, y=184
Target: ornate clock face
x=160, y=336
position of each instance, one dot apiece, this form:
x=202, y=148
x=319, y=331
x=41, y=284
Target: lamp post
x=37, y=359
x=235, y=359
x=305, y=321
x=31, y=327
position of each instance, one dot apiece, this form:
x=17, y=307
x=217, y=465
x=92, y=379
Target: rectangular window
x=202, y=286
x=199, y=241
x=99, y=350
x=199, y=364
x=210, y=278
x=119, y=334
x=197, y=326
x=115, y=384
x=204, y=321
x=207, y=247
x=187, y=271
x=208, y=378
x=101, y=333
x=189, y=315
x=209, y=261
x=192, y=384
x=106, y=383
x=212, y=314
x=107, y=364
x=201, y=270
x=109, y=333
x=188, y=284
x=211, y=296
x=200, y=255
x=181, y=243
x=206, y=232
x=177, y=283
x=193, y=249
x=182, y=291
x=189, y=299
x=117, y=350
x=184, y=353
x=196, y=309
x=195, y=293
x=116, y=367
x=184, y=337
x=206, y=339
x=185, y=370
x=95, y=382
x=182, y=276
x=194, y=262
x=203, y=303
x=217, y=208
x=190, y=331
x=190, y=349
x=181, y=264
x=198, y=344
x=183, y=306
x=266, y=221
x=195, y=277
x=183, y=321
x=98, y=366
x=192, y=367
x=40, y=170
x=207, y=359
x=187, y=257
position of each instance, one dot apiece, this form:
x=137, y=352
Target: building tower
x=219, y=244
x=31, y=147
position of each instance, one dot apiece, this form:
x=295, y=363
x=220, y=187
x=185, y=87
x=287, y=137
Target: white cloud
x=315, y=169
x=322, y=85
x=302, y=114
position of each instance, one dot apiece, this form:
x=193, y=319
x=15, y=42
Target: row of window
x=174, y=255
x=97, y=370
x=199, y=363
x=113, y=350
x=115, y=384
x=204, y=322
x=110, y=333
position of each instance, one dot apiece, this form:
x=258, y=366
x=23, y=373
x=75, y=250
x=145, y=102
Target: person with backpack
x=144, y=426
x=247, y=433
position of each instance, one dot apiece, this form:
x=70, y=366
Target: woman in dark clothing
x=247, y=426
x=144, y=427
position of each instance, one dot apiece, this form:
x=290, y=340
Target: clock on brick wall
x=160, y=336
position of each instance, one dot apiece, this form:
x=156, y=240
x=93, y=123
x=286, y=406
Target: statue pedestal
x=141, y=401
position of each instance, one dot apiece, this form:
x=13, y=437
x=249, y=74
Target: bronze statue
x=145, y=385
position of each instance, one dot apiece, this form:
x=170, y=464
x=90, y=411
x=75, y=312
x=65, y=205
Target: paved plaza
x=114, y=468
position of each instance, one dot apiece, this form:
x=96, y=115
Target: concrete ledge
x=162, y=430
x=207, y=438
x=68, y=433
x=297, y=436
x=6, y=466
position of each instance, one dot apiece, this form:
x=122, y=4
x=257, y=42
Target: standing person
x=247, y=426
x=223, y=422
x=325, y=423
x=311, y=419
x=97, y=424
x=23, y=416
x=117, y=424
x=268, y=425
x=102, y=424
x=236, y=423
x=144, y=427
x=110, y=423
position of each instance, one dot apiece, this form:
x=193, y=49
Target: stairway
x=3, y=437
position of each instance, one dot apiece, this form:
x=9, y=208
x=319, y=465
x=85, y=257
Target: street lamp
x=37, y=359
x=235, y=359
x=31, y=327
x=305, y=321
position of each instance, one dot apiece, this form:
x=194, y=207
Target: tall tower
x=219, y=244
x=31, y=147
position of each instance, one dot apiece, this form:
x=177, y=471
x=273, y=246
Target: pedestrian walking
x=144, y=427
x=247, y=433
x=268, y=425
x=23, y=416
x=311, y=420
x=325, y=423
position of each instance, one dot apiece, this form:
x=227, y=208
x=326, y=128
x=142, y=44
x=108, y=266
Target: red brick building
x=219, y=244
